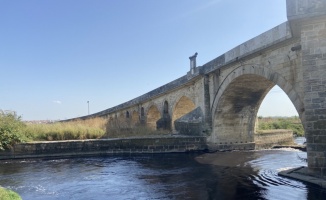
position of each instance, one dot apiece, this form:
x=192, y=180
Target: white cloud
x=57, y=102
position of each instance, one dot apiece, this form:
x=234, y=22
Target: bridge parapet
x=263, y=41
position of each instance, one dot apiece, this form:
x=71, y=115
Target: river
x=221, y=175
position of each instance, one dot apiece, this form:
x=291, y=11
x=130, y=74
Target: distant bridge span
x=221, y=98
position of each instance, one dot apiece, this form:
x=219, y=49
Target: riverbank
x=266, y=139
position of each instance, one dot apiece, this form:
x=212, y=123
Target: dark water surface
x=227, y=175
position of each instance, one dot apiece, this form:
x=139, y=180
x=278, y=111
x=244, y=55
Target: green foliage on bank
x=270, y=123
x=11, y=130
x=6, y=194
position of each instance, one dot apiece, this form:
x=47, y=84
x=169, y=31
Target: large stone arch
x=153, y=115
x=182, y=107
x=237, y=100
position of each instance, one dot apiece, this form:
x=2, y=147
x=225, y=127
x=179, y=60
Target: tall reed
x=80, y=129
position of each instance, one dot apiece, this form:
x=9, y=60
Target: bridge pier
x=313, y=39
x=308, y=21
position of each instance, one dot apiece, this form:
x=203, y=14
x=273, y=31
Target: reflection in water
x=227, y=175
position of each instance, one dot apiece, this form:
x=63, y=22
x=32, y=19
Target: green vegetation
x=8, y=195
x=11, y=130
x=293, y=123
x=73, y=130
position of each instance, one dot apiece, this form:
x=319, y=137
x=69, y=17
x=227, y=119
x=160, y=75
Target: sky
x=57, y=55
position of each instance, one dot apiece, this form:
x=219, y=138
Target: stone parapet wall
x=78, y=148
x=270, y=138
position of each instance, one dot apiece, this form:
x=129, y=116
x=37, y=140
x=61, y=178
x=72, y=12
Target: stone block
x=321, y=124
x=320, y=111
x=318, y=100
x=320, y=139
x=322, y=94
x=312, y=106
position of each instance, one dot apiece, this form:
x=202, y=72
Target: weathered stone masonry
x=310, y=16
x=79, y=148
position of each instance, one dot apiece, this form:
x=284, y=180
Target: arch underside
x=182, y=107
x=236, y=111
x=135, y=118
x=153, y=116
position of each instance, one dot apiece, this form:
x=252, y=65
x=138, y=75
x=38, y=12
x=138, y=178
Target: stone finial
x=193, y=63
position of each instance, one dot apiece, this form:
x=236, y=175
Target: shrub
x=8, y=195
x=292, y=123
x=11, y=130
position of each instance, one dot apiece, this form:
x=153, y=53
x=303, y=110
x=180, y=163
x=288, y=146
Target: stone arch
x=165, y=107
x=142, y=112
x=165, y=122
x=127, y=114
x=134, y=118
x=153, y=115
x=142, y=116
x=183, y=106
x=238, y=99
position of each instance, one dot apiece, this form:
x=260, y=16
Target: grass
x=271, y=123
x=6, y=194
x=13, y=130
x=74, y=130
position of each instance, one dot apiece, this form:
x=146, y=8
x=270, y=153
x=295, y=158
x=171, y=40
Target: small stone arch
x=165, y=107
x=142, y=112
x=165, y=122
x=142, y=116
x=127, y=114
x=135, y=118
x=153, y=115
x=182, y=107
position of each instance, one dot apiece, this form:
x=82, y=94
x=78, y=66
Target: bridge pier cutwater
x=220, y=99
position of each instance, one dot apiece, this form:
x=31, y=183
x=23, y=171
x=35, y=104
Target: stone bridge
x=221, y=98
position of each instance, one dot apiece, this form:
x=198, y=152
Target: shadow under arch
x=237, y=100
x=165, y=122
x=183, y=106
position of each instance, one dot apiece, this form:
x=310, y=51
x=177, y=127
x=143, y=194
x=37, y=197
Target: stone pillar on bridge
x=308, y=21
x=193, y=63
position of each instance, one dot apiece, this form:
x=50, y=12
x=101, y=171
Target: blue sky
x=56, y=55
